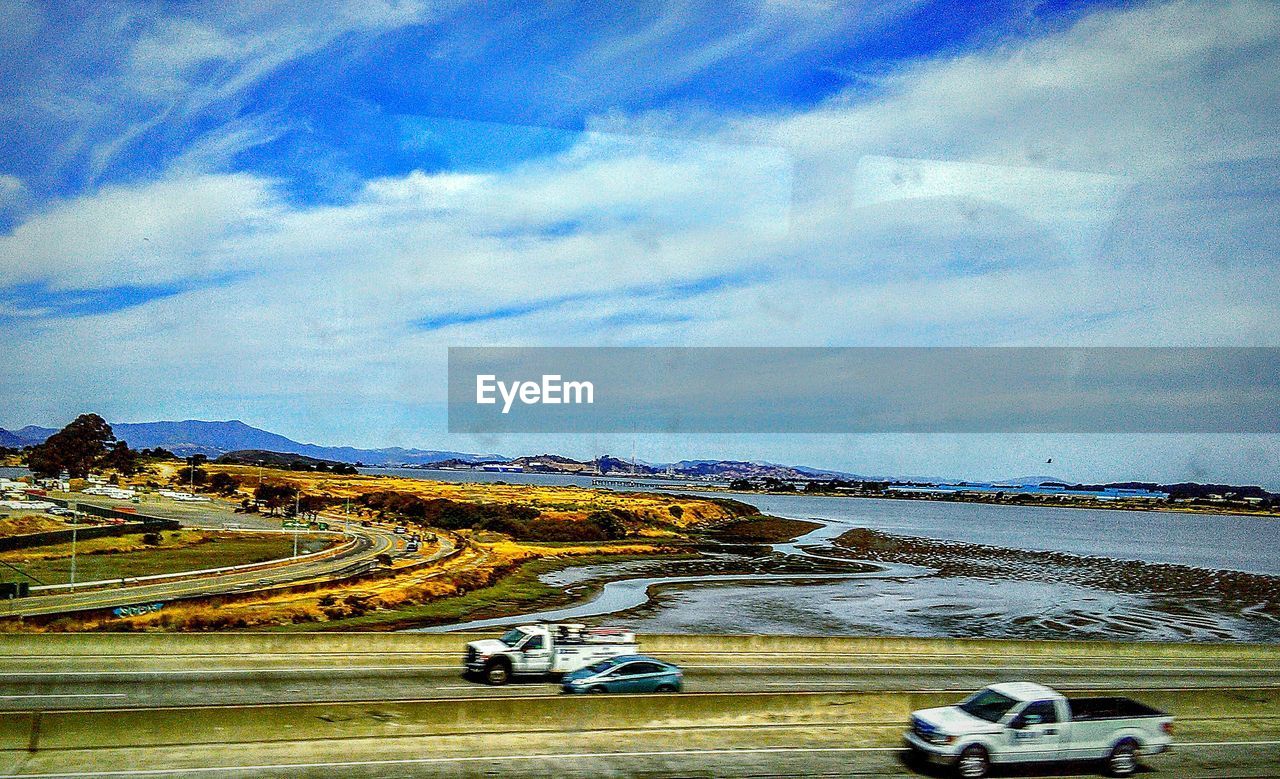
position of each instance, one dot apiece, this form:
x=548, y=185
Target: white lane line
x=467, y=759
x=760, y=668
x=993, y=667
x=207, y=671
x=65, y=695
x=536, y=756
x=1134, y=688
x=1226, y=743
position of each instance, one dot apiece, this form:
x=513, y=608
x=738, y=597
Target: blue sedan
x=628, y=673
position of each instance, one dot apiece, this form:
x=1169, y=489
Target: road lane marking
x=1270, y=743
x=1068, y=688
x=761, y=668
x=65, y=695
x=465, y=759
x=996, y=667
x=206, y=671
x=538, y=756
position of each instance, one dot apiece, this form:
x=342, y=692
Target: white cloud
x=172, y=230
x=120, y=74
x=13, y=193
x=1051, y=191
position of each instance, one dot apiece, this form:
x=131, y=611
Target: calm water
x=1203, y=540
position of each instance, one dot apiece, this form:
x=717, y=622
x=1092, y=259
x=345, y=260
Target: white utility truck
x=544, y=650
x=1022, y=722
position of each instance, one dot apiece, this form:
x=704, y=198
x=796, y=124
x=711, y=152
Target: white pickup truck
x=543, y=650
x=1022, y=722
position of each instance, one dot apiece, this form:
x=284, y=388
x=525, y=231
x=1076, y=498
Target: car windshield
x=988, y=705
x=603, y=665
x=512, y=637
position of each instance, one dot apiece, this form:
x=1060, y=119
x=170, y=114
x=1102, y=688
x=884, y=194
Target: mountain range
x=214, y=439
x=217, y=438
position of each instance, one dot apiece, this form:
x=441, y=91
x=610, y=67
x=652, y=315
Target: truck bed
x=1094, y=709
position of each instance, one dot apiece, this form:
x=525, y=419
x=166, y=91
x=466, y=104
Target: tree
x=75, y=448
x=121, y=459
x=273, y=496
x=223, y=483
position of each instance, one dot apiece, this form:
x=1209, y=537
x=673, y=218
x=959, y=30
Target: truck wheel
x=1123, y=760
x=973, y=763
x=497, y=673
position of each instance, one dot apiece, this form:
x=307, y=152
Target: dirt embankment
x=762, y=530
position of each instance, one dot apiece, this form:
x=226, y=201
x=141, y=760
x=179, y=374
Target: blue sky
x=286, y=212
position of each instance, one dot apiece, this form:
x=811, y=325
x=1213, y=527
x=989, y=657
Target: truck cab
x=544, y=650
x=1023, y=722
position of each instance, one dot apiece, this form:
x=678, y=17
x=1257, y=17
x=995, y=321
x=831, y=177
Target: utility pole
x=75, y=516
x=296, y=498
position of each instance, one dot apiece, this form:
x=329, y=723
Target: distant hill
x=213, y=439
x=1030, y=480
x=10, y=440
x=296, y=462
x=26, y=436
x=615, y=466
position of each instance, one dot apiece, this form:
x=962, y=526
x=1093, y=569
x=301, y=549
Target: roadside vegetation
x=485, y=578
x=498, y=538
x=146, y=554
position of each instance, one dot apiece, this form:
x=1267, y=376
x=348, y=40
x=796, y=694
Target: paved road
x=739, y=751
x=44, y=681
x=369, y=544
x=764, y=728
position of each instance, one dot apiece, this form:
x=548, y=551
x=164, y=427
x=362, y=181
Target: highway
x=369, y=543
x=34, y=682
x=396, y=705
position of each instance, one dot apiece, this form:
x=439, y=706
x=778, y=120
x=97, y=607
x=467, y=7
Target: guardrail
x=814, y=649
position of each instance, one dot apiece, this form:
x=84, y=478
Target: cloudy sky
x=285, y=213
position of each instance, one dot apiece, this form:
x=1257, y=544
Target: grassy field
x=19, y=523
x=490, y=570
x=130, y=556
x=664, y=512
x=520, y=591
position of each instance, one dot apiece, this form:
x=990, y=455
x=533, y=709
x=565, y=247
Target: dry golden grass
x=553, y=502
x=24, y=523
x=480, y=570
x=477, y=565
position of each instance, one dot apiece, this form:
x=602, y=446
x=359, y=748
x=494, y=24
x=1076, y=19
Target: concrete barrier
x=143, y=728
x=819, y=648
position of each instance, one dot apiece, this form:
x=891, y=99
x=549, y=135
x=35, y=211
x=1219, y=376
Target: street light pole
x=75, y=514
x=296, y=497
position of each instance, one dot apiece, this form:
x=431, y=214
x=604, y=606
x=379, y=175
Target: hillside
x=214, y=439
x=283, y=460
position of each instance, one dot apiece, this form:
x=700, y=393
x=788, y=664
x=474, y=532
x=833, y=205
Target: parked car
x=1023, y=722
x=628, y=673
